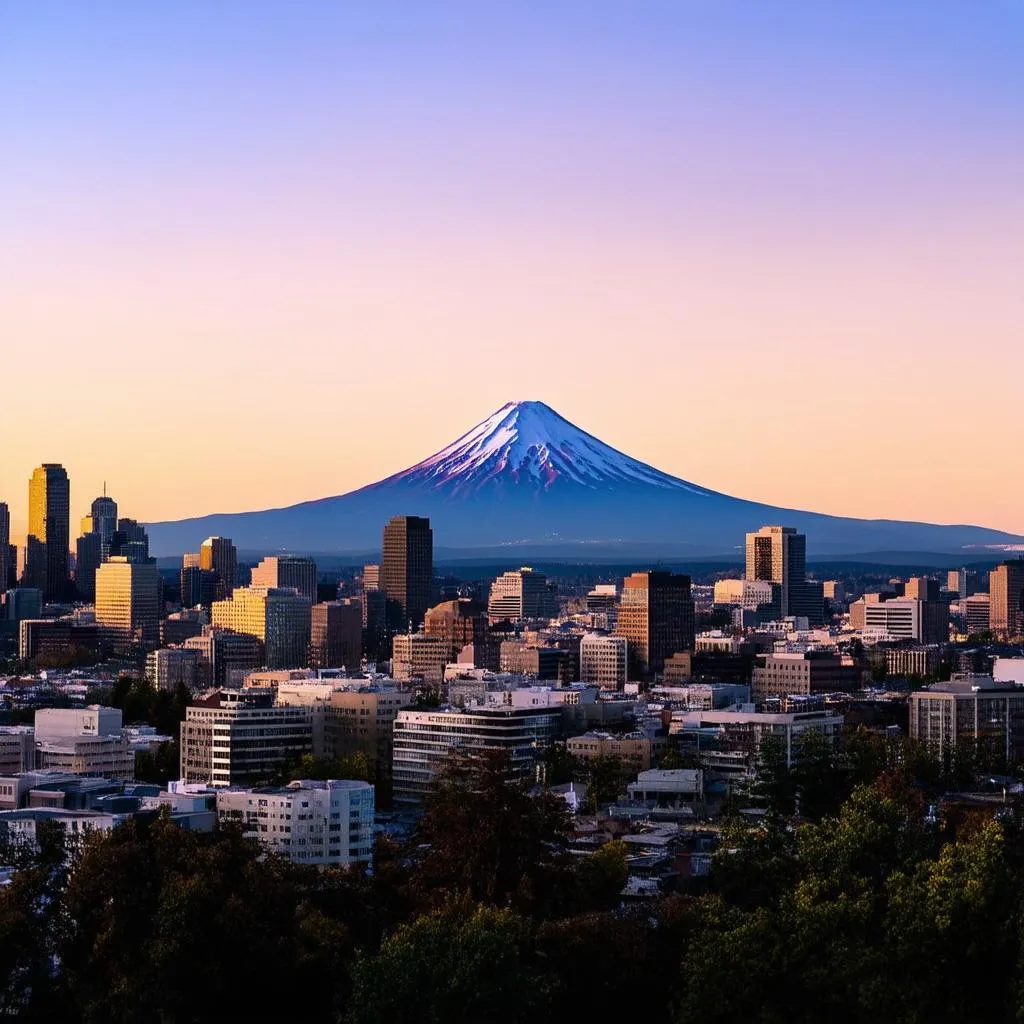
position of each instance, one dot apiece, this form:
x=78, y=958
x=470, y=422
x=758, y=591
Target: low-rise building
x=636, y=751
x=84, y=741
x=417, y=656
x=674, y=787
x=425, y=740
x=171, y=667
x=804, y=672
x=976, y=710
x=308, y=821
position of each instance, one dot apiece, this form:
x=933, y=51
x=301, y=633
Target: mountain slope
x=528, y=478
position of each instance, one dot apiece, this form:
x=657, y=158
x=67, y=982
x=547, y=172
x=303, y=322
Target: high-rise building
x=218, y=555
x=376, y=642
x=225, y=656
x=169, y=667
x=521, y=594
x=128, y=602
x=88, y=558
x=407, y=570
x=975, y=611
x=49, y=532
x=457, y=623
x=604, y=660
x=287, y=571
x=5, y=546
x=779, y=554
x=416, y=656
x=1006, y=598
x=361, y=719
x=656, y=616
x=198, y=587
x=130, y=540
x=336, y=635
x=102, y=521
x=280, y=618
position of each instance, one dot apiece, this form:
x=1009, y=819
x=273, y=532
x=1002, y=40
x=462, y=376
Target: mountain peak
x=528, y=442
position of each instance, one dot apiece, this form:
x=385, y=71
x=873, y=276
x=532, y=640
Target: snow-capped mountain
x=529, y=444
x=527, y=480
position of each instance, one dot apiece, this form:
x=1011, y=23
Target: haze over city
x=772, y=248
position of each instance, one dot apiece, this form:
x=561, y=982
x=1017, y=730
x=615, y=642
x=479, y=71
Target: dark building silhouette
x=407, y=570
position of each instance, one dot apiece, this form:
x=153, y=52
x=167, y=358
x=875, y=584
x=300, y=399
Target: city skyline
x=802, y=217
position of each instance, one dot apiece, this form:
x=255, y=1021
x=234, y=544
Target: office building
x=962, y=582
x=425, y=740
x=913, y=661
x=102, y=521
x=635, y=751
x=974, y=710
x=56, y=638
x=361, y=719
x=975, y=611
x=23, y=603
x=17, y=755
x=198, y=587
x=88, y=559
x=418, y=657
x=905, y=618
x=534, y=660
x=407, y=571
x=218, y=555
x=84, y=741
x=728, y=741
x=6, y=569
x=336, y=635
x=280, y=618
x=456, y=623
x=521, y=594
x=171, y=667
x=239, y=738
x=1006, y=598
x=376, y=641
x=656, y=616
x=287, y=571
x=604, y=660
x=225, y=657
x=129, y=598
x=749, y=594
x=130, y=541
x=49, y=532
x=308, y=821
x=808, y=672
x=778, y=554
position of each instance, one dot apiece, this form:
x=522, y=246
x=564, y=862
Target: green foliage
x=142, y=703
x=159, y=767
x=458, y=964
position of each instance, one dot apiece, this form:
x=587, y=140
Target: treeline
x=877, y=911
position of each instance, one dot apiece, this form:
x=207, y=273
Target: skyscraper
x=407, y=570
x=103, y=521
x=1006, y=598
x=280, y=618
x=336, y=635
x=779, y=554
x=287, y=571
x=128, y=596
x=5, y=546
x=521, y=594
x=218, y=555
x=656, y=617
x=49, y=531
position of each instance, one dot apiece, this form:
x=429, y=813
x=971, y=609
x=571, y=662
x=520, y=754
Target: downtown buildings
x=656, y=617
x=49, y=532
x=407, y=571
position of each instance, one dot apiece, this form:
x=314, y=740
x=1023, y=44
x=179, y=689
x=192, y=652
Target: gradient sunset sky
x=254, y=253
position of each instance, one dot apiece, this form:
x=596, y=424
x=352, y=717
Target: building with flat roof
x=521, y=594
x=425, y=740
x=1006, y=598
x=129, y=597
x=804, y=672
x=336, y=634
x=239, y=738
x=308, y=821
x=288, y=572
x=407, y=571
x=224, y=655
x=604, y=660
x=975, y=710
x=281, y=619
x=84, y=741
x=418, y=657
x=656, y=617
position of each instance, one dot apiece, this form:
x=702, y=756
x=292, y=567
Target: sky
x=253, y=253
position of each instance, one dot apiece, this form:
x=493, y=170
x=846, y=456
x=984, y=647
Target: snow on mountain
x=529, y=443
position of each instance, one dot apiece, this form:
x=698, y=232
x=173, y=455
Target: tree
x=482, y=836
x=457, y=964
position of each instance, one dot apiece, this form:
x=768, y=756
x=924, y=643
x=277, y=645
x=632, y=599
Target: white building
x=521, y=594
x=84, y=741
x=424, y=740
x=749, y=594
x=308, y=821
x=604, y=660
